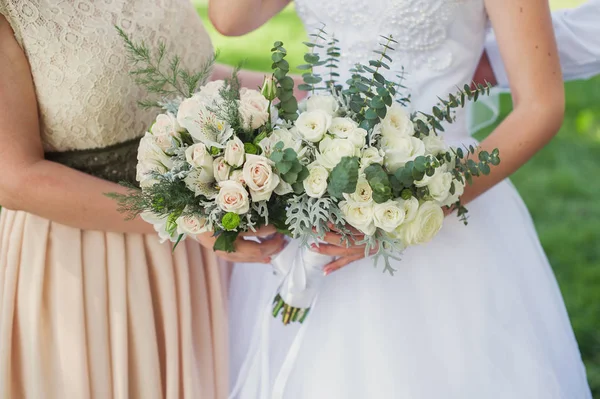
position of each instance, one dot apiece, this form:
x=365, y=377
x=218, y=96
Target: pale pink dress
x=92, y=314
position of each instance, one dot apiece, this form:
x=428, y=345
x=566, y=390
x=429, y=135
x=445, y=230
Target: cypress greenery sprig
x=288, y=105
x=162, y=77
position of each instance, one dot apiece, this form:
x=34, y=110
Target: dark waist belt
x=115, y=163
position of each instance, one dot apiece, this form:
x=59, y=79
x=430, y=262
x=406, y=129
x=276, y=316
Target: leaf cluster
x=287, y=105
x=313, y=59
x=444, y=111
x=162, y=76
x=289, y=167
x=344, y=177
x=370, y=92
x=387, y=186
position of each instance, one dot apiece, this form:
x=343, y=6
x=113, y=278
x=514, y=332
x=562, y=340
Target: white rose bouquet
x=373, y=165
x=207, y=163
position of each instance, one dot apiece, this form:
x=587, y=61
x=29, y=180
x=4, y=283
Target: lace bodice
x=439, y=41
x=85, y=95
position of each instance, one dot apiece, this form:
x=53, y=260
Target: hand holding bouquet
x=201, y=167
x=229, y=160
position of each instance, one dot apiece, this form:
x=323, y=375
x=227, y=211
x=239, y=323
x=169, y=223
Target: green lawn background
x=561, y=184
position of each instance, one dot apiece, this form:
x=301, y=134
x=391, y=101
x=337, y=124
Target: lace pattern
x=419, y=26
x=79, y=64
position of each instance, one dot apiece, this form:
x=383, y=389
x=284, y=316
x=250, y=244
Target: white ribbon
x=301, y=272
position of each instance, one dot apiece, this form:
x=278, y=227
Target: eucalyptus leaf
x=343, y=177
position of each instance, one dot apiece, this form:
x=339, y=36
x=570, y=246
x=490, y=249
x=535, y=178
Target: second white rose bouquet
x=372, y=165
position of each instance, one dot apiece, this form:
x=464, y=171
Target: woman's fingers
x=351, y=229
x=252, y=251
x=264, y=231
x=333, y=238
x=338, y=264
x=335, y=250
x=345, y=260
x=248, y=251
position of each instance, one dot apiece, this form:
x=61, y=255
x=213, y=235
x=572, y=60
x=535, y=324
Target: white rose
x=150, y=153
x=199, y=158
x=397, y=122
x=438, y=184
x=459, y=189
x=160, y=226
x=221, y=169
x=331, y=151
x=202, y=124
x=234, y=152
x=400, y=150
x=359, y=216
x=341, y=127
x=424, y=227
x=233, y=197
x=313, y=125
x=358, y=137
x=369, y=156
x=166, y=131
x=388, y=216
x=254, y=108
x=259, y=177
x=283, y=188
x=323, y=102
x=434, y=144
x=410, y=206
x=192, y=225
x=315, y=184
x=363, y=193
x=238, y=176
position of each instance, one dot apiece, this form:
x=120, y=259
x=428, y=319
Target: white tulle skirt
x=474, y=314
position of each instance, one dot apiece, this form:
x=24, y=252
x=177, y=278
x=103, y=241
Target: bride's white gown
x=474, y=314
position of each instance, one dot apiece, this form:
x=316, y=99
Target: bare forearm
x=72, y=198
x=523, y=133
x=238, y=17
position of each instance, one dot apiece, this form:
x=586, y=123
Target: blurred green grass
x=561, y=184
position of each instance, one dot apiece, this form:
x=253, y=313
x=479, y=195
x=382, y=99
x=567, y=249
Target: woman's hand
x=248, y=251
x=336, y=247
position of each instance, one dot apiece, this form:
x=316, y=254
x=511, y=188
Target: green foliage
x=305, y=214
x=312, y=59
x=162, y=77
x=164, y=198
x=288, y=165
x=444, y=111
x=380, y=183
x=369, y=91
x=226, y=241
x=230, y=221
x=288, y=105
x=344, y=177
x=332, y=62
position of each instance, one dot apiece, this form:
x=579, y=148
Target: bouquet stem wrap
x=301, y=271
